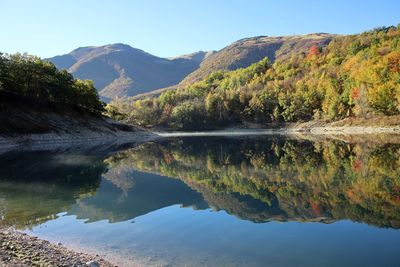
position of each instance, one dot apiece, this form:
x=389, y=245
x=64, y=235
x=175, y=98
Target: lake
x=213, y=201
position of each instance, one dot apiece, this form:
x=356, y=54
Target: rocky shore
x=19, y=249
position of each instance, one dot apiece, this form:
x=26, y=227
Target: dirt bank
x=59, y=140
x=22, y=127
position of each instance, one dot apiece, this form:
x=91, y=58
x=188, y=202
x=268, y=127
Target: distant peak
x=115, y=46
x=197, y=56
x=119, y=46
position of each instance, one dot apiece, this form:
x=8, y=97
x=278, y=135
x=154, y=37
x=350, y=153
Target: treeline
x=28, y=81
x=355, y=75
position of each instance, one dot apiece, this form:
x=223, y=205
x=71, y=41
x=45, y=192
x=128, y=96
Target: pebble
x=92, y=264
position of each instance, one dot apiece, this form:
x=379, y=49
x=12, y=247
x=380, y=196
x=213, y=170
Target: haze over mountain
x=119, y=70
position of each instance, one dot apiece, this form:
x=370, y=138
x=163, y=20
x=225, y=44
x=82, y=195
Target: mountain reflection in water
x=256, y=179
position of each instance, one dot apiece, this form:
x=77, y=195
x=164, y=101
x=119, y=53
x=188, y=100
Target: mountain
x=245, y=52
x=314, y=77
x=119, y=70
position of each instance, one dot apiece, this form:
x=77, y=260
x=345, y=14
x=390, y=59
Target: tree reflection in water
x=257, y=179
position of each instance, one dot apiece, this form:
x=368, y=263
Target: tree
x=187, y=115
x=359, y=97
x=168, y=97
x=35, y=83
x=394, y=61
x=114, y=113
x=313, y=52
x=214, y=104
x=86, y=91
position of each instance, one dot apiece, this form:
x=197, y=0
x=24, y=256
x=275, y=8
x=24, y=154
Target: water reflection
x=255, y=179
x=118, y=200
x=35, y=186
x=277, y=179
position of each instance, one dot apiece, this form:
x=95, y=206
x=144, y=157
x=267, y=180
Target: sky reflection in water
x=261, y=201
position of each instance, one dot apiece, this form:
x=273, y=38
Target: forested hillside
x=353, y=76
x=245, y=52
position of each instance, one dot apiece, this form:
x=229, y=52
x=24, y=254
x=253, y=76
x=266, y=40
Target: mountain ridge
x=119, y=70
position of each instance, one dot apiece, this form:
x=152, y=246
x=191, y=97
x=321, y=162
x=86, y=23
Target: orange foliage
x=393, y=32
x=357, y=166
x=353, y=196
x=394, y=61
x=314, y=52
x=315, y=207
x=273, y=188
x=355, y=93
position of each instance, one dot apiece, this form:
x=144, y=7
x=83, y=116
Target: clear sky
x=173, y=27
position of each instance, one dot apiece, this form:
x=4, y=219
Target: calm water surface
x=215, y=201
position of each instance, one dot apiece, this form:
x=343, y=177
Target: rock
x=92, y=264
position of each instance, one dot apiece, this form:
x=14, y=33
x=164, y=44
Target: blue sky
x=173, y=27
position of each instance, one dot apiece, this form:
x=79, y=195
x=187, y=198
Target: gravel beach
x=19, y=249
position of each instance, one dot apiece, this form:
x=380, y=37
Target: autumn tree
x=313, y=52
x=394, y=61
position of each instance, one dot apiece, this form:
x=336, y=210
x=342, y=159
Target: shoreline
x=339, y=130
x=84, y=131
x=20, y=249
x=348, y=126
x=62, y=140
x=65, y=140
